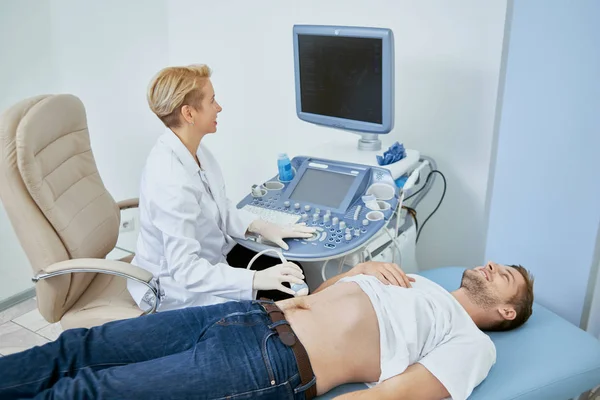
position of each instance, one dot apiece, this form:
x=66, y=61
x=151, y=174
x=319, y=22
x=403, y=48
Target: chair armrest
x=128, y=203
x=104, y=266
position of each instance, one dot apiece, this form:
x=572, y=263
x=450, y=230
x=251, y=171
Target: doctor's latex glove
x=273, y=278
x=276, y=233
x=388, y=273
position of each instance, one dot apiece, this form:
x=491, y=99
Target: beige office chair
x=64, y=218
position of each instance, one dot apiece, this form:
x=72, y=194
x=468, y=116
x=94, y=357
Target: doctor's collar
x=184, y=155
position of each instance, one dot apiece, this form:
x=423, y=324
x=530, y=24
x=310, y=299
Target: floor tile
x=18, y=310
x=33, y=321
x=15, y=338
x=51, y=332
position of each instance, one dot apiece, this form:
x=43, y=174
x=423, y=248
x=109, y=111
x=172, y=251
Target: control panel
x=346, y=203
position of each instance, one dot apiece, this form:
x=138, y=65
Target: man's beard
x=477, y=291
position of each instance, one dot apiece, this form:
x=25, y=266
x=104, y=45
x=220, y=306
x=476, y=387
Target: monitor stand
x=369, y=142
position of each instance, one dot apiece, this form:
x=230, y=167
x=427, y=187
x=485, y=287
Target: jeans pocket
x=250, y=318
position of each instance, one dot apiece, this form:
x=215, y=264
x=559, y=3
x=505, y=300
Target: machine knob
x=335, y=220
x=326, y=218
x=342, y=224
x=365, y=222
x=357, y=232
x=297, y=206
x=328, y=212
x=315, y=216
x=304, y=216
x=318, y=211
x=348, y=236
x=286, y=204
x=348, y=230
x=307, y=208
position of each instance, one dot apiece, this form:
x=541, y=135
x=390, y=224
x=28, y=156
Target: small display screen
x=341, y=77
x=322, y=187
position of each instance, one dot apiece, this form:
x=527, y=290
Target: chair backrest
x=53, y=193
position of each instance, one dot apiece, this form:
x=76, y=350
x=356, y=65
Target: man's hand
x=388, y=273
x=293, y=303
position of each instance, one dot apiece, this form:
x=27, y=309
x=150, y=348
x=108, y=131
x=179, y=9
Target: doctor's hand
x=388, y=273
x=276, y=233
x=273, y=278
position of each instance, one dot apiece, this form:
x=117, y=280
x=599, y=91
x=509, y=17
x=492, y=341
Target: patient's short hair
x=522, y=301
x=173, y=87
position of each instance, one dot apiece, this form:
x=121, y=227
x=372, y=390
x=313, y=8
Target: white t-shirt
x=426, y=324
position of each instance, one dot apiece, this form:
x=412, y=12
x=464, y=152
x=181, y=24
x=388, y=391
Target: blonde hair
x=173, y=87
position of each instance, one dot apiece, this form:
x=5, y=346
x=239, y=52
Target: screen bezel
x=357, y=173
x=387, y=80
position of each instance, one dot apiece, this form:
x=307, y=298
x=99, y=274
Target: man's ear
x=507, y=313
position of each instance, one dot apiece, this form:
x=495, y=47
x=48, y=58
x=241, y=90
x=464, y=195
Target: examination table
x=547, y=358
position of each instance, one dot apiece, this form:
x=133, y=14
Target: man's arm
x=388, y=273
x=416, y=383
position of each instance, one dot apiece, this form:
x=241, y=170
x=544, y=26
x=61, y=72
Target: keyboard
x=274, y=216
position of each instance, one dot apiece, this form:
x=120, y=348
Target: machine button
x=335, y=220
x=323, y=236
x=338, y=241
x=348, y=236
x=286, y=204
x=307, y=208
x=365, y=222
x=342, y=225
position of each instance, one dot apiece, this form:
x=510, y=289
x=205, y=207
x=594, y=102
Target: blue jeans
x=223, y=351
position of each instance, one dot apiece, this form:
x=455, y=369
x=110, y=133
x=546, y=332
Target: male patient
x=404, y=335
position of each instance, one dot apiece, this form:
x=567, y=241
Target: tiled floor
x=22, y=327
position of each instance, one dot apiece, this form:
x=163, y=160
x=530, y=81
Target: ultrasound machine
x=329, y=196
x=344, y=80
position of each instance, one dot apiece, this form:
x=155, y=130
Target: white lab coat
x=186, y=225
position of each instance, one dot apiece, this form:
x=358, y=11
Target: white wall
x=26, y=69
x=107, y=53
x=103, y=52
x=447, y=69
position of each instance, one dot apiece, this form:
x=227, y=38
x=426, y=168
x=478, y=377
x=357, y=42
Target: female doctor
x=186, y=220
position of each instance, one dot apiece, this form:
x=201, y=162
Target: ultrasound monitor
x=344, y=79
x=324, y=188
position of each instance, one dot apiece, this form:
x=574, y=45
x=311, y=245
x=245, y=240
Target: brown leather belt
x=288, y=337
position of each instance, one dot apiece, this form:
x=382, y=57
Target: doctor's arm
x=416, y=383
x=177, y=213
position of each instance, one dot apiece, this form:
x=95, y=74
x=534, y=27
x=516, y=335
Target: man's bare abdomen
x=341, y=335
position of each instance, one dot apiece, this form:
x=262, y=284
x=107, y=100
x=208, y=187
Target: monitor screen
x=322, y=187
x=341, y=77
